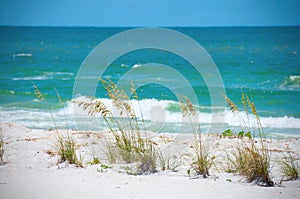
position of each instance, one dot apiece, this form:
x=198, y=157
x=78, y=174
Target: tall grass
x=289, y=168
x=167, y=161
x=65, y=145
x=67, y=150
x=252, y=159
x=1, y=147
x=202, y=159
x=131, y=141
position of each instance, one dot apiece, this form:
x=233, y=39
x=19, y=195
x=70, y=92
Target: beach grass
x=289, y=168
x=131, y=142
x=250, y=158
x=2, y=149
x=67, y=150
x=202, y=159
x=65, y=145
x=167, y=161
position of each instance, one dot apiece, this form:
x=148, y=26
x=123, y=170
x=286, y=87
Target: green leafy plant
x=240, y=134
x=94, y=161
x=227, y=133
x=251, y=160
x=103, y=168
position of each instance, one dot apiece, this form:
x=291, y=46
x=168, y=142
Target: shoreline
x=32, y=171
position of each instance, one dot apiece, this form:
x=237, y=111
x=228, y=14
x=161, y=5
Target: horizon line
x=179, y=26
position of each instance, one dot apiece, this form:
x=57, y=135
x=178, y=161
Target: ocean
x=263, y=62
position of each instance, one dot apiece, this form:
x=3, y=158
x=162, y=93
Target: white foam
x=291, y=82
x=294, y=77
x=40, y=77
x=59, y=73
x=45, y=76
x=22, y=55
x=153, y=110
x=156, y=110
x=136, y=65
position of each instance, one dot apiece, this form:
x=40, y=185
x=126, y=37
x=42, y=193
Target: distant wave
x=41, y=77
x=291, y=82
x=136, y=65
x=46, y=75
x=159, y=110
x=155, y=112
x=60, y=73
x=22, y=55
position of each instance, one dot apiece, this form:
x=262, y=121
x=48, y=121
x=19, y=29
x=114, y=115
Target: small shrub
x=252, y=162
x=290, y=168
x=103, y=168
x=94, y=161
x=227, y=133
x=248, y=135
x=240, y=134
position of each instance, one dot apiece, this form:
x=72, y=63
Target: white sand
x=29, y=172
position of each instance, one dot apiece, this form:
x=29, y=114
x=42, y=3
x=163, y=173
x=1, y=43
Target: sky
x=150, y=12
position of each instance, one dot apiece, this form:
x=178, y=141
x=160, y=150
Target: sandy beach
x=141, y=99
x=31, y=170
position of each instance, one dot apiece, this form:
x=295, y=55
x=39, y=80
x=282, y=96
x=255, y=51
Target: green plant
x=1, y=147
x=94, y=161
x=290, y=168
x=67, y=150
x=240, y=134
x=251, y=160
x=129, y=145
x=248, y=135
x=103, y=168
x=202, y=159
x=227, y=133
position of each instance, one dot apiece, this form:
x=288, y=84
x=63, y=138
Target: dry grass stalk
x=67, y=150
x=290, y=168
x=38, y=93
x=252, y=161
x=129, y=145
x=1, y=147
x=167, y=162
x=202, y=160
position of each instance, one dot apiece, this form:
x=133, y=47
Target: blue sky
x=150, y=13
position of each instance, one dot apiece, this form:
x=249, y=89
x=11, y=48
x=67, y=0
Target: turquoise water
x=261, y=61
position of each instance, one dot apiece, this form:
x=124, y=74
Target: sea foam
x=153, y=111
